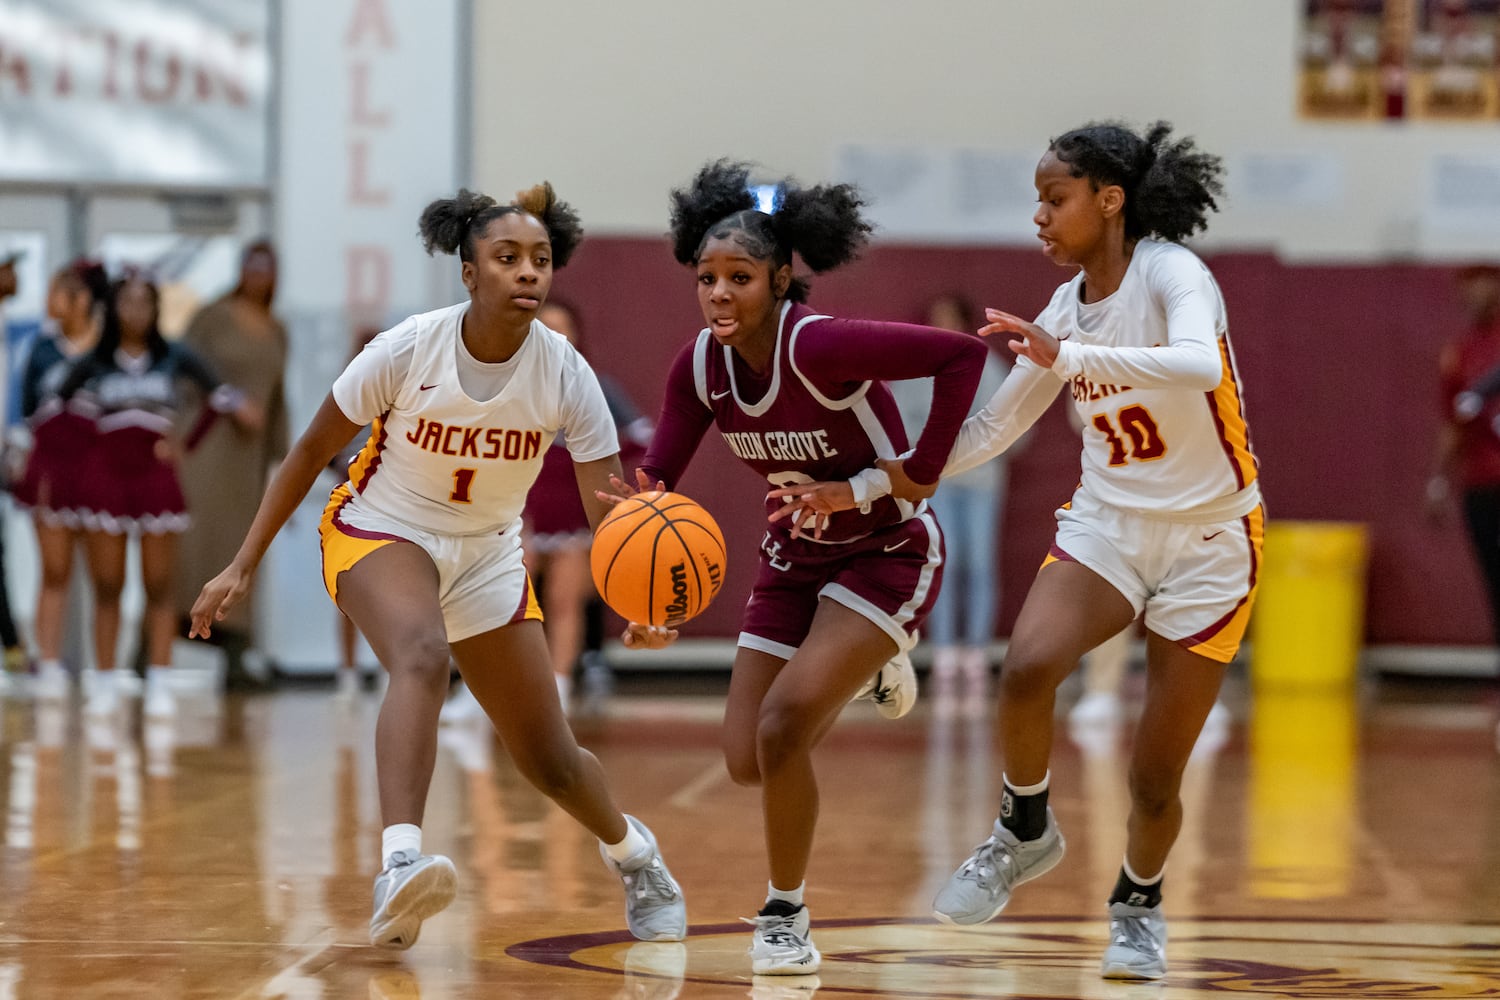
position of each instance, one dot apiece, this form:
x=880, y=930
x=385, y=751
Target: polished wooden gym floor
x=1333, y=846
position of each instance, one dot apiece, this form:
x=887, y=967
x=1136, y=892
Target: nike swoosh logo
x=893, y=548
x=1216, y=534
x=424, y=388
x=719, y=395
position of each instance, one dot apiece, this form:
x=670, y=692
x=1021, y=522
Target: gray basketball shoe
x=1137, y=943
x=981, y=887
x=782, y=944
x=893, y=688
x=413, y=888
x=654, y=908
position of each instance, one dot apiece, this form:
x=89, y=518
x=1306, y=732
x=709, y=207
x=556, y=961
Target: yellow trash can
x=1307, y=627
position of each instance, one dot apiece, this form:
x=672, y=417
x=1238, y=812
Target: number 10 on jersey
x=1137, y=431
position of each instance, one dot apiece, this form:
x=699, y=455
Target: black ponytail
x=449, y=225
x=1170, y=185
x=822, y=224
x=719, y=192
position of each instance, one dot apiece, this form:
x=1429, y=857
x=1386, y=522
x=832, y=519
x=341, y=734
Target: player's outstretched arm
x=1027, y=341
x=328, y=432
x=1018, y=404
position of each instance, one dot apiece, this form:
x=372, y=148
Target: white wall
x=365, y=143
x=616, y=102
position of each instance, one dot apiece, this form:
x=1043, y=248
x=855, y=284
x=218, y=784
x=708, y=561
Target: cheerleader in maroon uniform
x=797, y=396
x=58, y=463
x=130, y=385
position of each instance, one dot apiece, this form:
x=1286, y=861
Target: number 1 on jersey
x=463, y=480
x=1145, y=439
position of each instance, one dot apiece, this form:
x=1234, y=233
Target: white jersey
x=441, y=460
x=1151, y=372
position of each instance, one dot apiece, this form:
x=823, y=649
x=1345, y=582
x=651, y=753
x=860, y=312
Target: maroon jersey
x=820, y=411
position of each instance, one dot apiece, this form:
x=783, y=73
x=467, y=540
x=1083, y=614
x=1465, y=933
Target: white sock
x=1130, y=874
x=157, y=674
x=632, y=846
x=399, y=837
x=50, y=667
x=792, y=896
x=103, y=683
x=1036, y=789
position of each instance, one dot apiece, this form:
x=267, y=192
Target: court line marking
x=688, y=795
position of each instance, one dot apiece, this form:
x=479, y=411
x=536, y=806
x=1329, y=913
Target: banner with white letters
x=150, y=92
x=369, y=135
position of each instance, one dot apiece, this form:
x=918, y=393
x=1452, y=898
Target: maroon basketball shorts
x=891, y=577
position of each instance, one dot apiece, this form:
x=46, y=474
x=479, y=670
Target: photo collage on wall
x=1392, y=60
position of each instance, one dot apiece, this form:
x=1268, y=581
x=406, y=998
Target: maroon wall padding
x=1338, y=362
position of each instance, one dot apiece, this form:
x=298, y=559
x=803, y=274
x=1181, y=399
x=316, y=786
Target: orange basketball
x=658, y=559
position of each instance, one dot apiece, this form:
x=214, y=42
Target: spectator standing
x=1468, y=450
x=243, y=343
x=59, y=462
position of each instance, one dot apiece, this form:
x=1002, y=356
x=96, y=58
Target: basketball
x=658, y=559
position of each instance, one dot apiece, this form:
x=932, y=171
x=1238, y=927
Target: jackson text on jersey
x=476, y=442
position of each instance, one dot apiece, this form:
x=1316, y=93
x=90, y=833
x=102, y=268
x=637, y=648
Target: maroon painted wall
x=1339, y=367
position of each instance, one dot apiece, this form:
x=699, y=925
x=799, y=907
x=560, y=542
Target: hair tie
x=769, y=198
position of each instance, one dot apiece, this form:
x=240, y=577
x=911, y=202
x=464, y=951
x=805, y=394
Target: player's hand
x=624, y=491
x=639, y=636
x=810, y=506
x=903, y=486
x=217, y=597
x=1035, y=344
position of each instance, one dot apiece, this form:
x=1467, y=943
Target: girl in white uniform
x=421, y=546
x=1167, y=519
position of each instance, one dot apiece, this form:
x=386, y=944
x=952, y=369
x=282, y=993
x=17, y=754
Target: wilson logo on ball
x=658, y=559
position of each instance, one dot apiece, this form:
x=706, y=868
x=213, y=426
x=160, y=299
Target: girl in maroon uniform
x=797, y=396
x=130, y=383
x=56, y=481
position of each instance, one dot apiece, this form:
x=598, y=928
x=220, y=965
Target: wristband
x=868, y=486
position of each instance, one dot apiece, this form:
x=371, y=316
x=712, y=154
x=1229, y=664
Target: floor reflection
x=230, y=851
